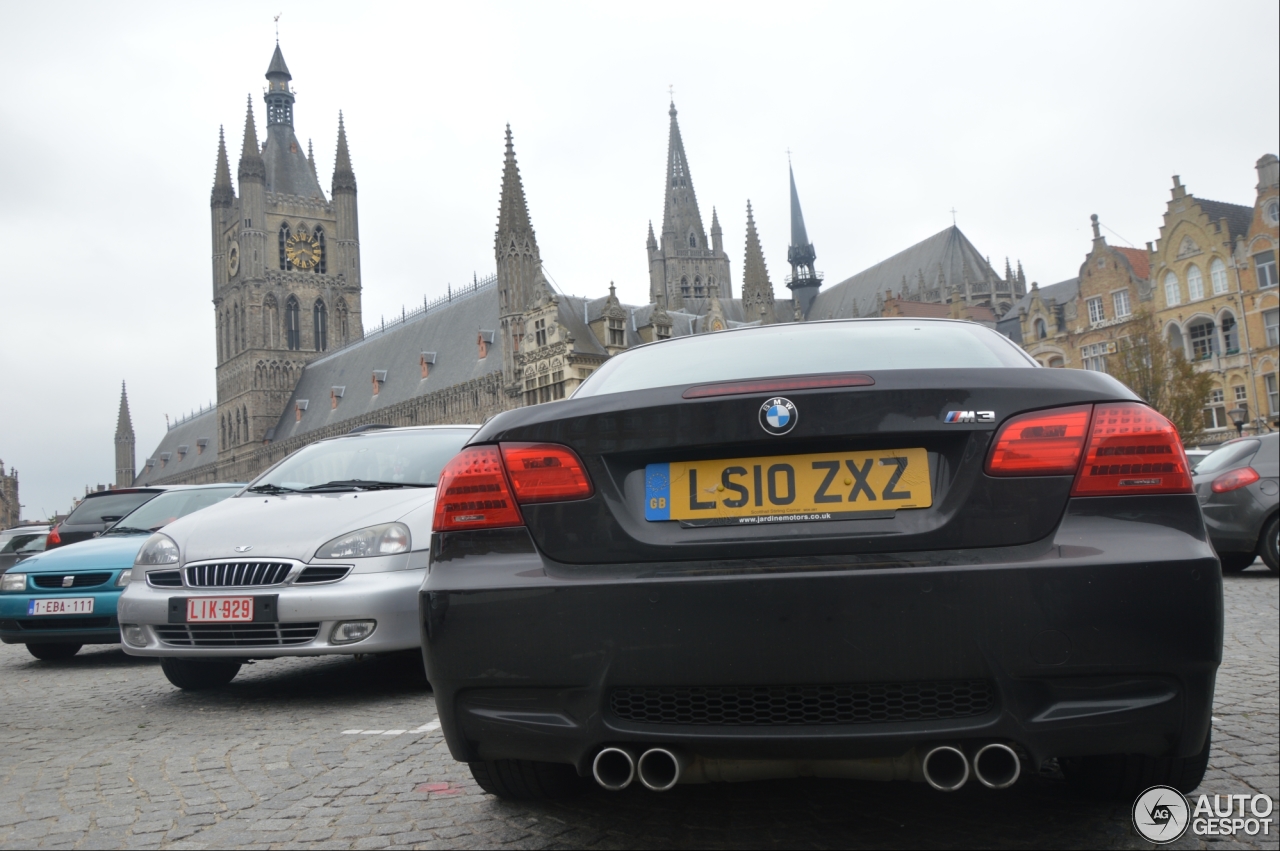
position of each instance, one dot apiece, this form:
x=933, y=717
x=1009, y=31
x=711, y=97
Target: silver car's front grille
x=237, y=574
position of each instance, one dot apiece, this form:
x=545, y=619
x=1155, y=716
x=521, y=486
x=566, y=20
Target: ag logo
x=1160, y=815
x=778, y=415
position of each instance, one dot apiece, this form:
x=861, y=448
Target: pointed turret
x=717, y=235
x=344, y=178
x=804, y=282
x=515, y=247
x=251, y=165
x=277, y=70
x=651, y=243
x=223, y=193
x=513, y=209
x=125, y=442
x=680, y=217
x=757, y=291
x=311, y=159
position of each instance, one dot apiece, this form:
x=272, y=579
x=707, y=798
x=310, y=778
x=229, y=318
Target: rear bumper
x=1103, y=639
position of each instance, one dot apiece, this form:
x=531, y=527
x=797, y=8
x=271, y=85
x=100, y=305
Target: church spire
x=223, y=193
x=251, y=164
x=513, y=210
x=311, y=158
x=757, y=291
x=278, y=96
x=515, y=248
x=344, y=178
x=803, y=282
x=125, y=442
x=680, y=216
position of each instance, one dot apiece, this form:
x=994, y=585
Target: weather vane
x=277, y=20
x=953, y=216
x=671, y=92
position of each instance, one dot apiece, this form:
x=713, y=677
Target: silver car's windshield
x=168, y=507
x=408, y=458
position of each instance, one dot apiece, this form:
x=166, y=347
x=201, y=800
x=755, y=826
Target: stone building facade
x=10, y=508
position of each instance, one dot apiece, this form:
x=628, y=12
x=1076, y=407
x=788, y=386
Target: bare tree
x=1162, y=376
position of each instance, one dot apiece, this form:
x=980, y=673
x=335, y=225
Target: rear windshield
x=1235, y=454
x=168, y=507
x=805, y=349
x=109, y=508
x=33, y=542
x=411, y=457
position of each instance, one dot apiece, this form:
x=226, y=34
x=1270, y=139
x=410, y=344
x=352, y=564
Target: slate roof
x=203, y=426
x=948, y=250
x=450, y=330
x=1138, y=259
x=288, y=172
x=1059, y=293
x=1238, y=216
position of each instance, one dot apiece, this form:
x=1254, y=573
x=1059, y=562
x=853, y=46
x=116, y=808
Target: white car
x=323, y=553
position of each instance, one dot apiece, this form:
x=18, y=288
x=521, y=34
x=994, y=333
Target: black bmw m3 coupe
x=881, y=549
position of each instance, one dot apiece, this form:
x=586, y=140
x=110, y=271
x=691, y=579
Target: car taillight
x=1042, y=443
x=545, y=472
x=54, y=539
x=473, y=492
x=1132, y=450
x=1234, y=480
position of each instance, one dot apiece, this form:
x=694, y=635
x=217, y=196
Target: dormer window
x=182, y=451
x=1042, y=330
x=483, y=341
x=298, y=407
x=617, y=332
x=201, y=444
x=426, y=361
x=540, y=332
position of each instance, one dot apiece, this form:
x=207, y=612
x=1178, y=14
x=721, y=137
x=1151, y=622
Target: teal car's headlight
x=385, y=540
x=159, y=549
x=13, y=582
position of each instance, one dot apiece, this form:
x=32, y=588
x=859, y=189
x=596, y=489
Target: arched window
x=1230, y=334
x=320, y=325
x=344, y=333
x=1218, y=274
x=1056, y=363
x=1195, y=284
x=270, y=322
x=1203, y=343
x=693, y=241
x=244, y=412
x=320, y=255
x=684, y=286
x=285, y=265
x=697, y=286
x=1175, y=340
x=292, y=324
x=222, y=433
x=1172, y=292
x=1041, y=330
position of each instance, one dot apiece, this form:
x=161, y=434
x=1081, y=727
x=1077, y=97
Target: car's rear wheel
x=525, y=780
x=1270, y=544
x=199, y=674
x=53, y=652
x=1121, y=777
x=1235, y=562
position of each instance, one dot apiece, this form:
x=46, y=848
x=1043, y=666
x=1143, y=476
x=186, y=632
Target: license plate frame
x=38, y=607
x=789, y=488
x=264, y=608
x=224, y=608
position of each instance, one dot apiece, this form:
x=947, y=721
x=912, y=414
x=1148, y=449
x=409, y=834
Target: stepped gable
x=188, y=433
x=948, y=252
x=1054, y=294
x=450, y=330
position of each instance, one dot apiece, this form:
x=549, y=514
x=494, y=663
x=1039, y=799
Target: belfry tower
x=803, y=281
x=684, y=267
x=286, y=267
x=126, y=454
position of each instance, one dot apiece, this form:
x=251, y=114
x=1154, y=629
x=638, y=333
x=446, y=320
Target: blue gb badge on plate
x=657, y=492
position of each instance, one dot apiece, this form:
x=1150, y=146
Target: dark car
x=933, y=561
x=97, y=511
x=18, y=544
x=1239, y=490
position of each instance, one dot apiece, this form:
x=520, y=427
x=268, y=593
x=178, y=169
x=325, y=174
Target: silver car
x=321, y=554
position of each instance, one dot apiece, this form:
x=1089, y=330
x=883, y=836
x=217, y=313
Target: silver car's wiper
x=126, y=530
x=268, y=488
x=364, y=484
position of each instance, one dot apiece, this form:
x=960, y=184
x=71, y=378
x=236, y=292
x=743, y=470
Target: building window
x=1094, y=357
x=1041, y=330
x=1120, y=301
x=697, y=287
x=617, y=332
x=343, y=317
x=1215, y=413
x=1273, y=392
x=1056, y=363
x=1241, y=393
x=1218, y=274
x=540, y=332
x=292, y=324
x=1195, y=284
x=1271, y=326
x=1265, y=263
x=320, y=321
x=1230, y=334
x=321, y=265
x=1202, y=341
x=1172, y=292
x=693, y=241
x=684, y=287
x=663, y=332
x=285, y=265
x=1095, y=310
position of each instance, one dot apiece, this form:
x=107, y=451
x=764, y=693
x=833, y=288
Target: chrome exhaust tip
x=945, y=768
x=614, y=769
x=660, y=769
x=997, y=766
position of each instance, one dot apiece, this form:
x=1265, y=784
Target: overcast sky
x=1024, y=117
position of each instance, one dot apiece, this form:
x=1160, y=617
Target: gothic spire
x=680, y=215
x=223, y=194
x=344, y=179
x=799, y=237
x=715, y=221
x=277, y=67
x=804, y=282
x=251, y=164
x=311, y=158
x=757, y=291
x=651, y=243
x=124, y=422
x=513, y=211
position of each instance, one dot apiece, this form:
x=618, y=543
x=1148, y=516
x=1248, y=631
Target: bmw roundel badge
x=778, y=415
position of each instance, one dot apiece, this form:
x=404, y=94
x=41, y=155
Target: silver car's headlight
x=385, y=540
x=124, y=578
x=159, y=549
x=13, y=582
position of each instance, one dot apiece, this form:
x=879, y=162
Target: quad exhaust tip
x=997, y=766
x=614, y=769
x=945, y=768
x=660, y=769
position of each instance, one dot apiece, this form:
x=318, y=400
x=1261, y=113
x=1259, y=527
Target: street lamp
x=1239, y=416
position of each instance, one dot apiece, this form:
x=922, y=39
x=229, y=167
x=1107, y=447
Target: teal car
x=60, y=600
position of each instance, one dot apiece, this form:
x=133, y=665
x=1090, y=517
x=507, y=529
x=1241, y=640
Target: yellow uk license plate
x=822, y=486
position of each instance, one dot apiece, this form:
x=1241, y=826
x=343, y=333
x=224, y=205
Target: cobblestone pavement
x=101, y=751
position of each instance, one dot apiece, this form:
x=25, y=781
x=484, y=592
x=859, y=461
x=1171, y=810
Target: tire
x=199, y=674
x=1270, y=543
x=525, y=780
x=1122, y=777
x=53, y=652
x=1235, y=562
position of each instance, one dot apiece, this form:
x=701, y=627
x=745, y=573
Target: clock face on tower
x=303, y=250
x=233, y=259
